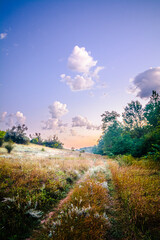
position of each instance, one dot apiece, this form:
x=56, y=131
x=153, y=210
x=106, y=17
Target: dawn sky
x=64, y=63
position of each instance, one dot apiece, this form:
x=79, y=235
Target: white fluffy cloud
x=80, y=121
x=53, y=124
x=78, y=83
x=13, y=118
x=20, y=118
x=58, y=109
x=3, y=35
x=3, y=116
x=81, y=61
x=144, y=83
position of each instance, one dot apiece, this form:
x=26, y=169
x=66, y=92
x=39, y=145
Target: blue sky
x=63, y=63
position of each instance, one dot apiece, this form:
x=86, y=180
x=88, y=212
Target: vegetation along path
x=65, y=194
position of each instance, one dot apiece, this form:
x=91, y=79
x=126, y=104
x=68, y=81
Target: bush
x=53, y=143
x=17, y=134
x=9, y=146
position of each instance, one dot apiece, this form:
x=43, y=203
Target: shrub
x=53, y=143
x=9, y=146
x=17, y=134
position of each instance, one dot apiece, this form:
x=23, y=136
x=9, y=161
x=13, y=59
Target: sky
x=64, y=63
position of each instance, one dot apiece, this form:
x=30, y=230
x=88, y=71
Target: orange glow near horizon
x=80, y=142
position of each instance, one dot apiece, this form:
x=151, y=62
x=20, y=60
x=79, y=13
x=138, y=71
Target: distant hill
x=86, y=149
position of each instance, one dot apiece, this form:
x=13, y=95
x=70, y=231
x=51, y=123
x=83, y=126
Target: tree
x=152, y=110
x=108, y=118
x=133, y=115
x=17, y=134
x=2, y=135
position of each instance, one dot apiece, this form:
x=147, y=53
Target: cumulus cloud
x=3, y=35
x=3, y=116
x=78, y=83
x=82, y=62
x=12, y=118
x=58, y=109
x=53, y=124
x=80, y=121
x=144, y=83
x=20, y=118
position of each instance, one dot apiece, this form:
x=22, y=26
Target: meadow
x=62, y=194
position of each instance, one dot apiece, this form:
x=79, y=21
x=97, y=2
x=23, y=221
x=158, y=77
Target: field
x=62, y=194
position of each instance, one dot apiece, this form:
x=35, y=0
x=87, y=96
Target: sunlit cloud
x=80, y=121
x=12, y=118
x=56, y=110
x=3, y=116
x=144, y=83
x=78, y=83
x=81, y=62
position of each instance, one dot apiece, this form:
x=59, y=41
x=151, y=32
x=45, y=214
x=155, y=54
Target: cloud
x=80, y=60
x=144, y=83
x=58, y=109
x=78, y=83
x=97, y=70
x=3, y=35
x=13, y=118
x=53, y=124
x=80, y=121
x=20, y=118
x=73, y=132
x=3, y=116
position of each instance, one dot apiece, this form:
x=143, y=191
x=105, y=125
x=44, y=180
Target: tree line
x=17, y=134
x=137, y=135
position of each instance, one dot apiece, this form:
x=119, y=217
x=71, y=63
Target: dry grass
x=32, y=181
x=139, y=188
x=83, y=214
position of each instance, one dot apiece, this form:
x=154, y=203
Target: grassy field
x=64, y=195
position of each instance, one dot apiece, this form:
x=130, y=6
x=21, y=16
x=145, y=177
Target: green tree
x=152, y=110
x=17, y=134
x=108, y=118
x=2, y=135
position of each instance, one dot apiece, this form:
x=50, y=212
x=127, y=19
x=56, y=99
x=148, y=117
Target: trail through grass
x=65, y=195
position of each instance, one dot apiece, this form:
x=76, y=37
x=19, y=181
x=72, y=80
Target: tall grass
x=83, y=215
x=139, y=188
x=32, y=182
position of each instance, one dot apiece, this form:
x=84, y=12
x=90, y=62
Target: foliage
x=137, y=135
x=36, y=138
x=2, y=135
x=109, y=118
x=17, y=134
x=9, y=146
x=53, y=142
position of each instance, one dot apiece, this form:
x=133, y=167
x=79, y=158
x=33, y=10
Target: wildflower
x=104, y=185
x=8, y=200
x=34, y=213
